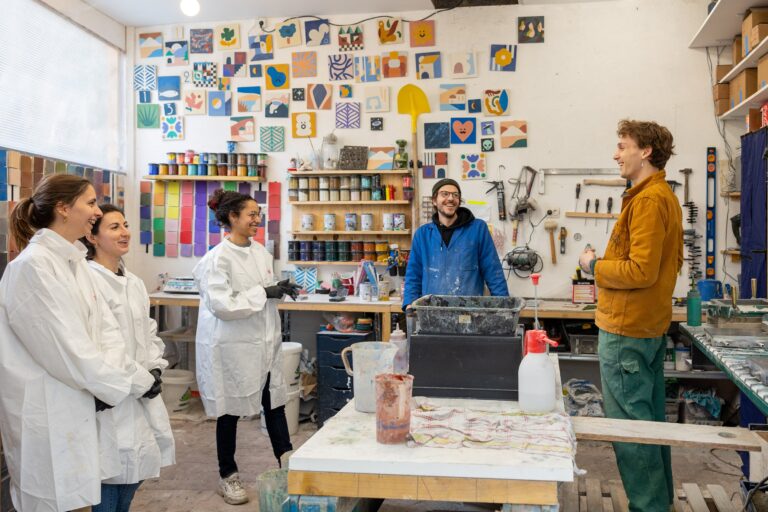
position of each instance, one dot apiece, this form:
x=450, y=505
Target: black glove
x=101, y=406
x=157, y=387
x=274, y=292
x=290, y=289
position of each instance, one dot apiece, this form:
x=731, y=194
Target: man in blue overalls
x=454, y=254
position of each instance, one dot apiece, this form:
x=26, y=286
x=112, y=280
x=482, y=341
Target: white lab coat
x=59, y=347
x=238, y=331
x=144, y=435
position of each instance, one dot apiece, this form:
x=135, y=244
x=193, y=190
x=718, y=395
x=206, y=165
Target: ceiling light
x=190, y=7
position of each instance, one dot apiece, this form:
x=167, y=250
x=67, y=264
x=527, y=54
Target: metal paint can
x=153, y=169
x=365, y=181
x=387, y=221
x=398, y=220
x=354, y=194
x=324, y=195
x=335, y=195
x=183, y=170
x=203, y=158
x=193, y=169
x=318, y=250
x=163, y=169
x=350, y=222
x=171, y=157
x=377, y=194
x=329, y=222
x=213, y=158
x=307, y=222
x=366, y=222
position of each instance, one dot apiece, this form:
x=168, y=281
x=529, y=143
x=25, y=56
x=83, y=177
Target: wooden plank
x=447, y=489
x=317, y=483
x=618, y=496
x=670, y=434
x=607, y=505
x=678, y=505
x=515, y=491
x=569, y=496
x=594, y=495
x=694, y=498
x=720, y=497
x=388, y=486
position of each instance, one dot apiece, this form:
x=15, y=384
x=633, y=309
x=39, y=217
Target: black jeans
x=226, y=434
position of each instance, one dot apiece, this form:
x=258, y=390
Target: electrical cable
x=752, y=492
x=312, y=16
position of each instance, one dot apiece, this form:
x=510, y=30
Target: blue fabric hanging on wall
x=753, y=212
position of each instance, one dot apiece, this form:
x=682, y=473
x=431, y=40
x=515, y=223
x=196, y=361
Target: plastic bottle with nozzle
x=400, y=340
x=536, y=375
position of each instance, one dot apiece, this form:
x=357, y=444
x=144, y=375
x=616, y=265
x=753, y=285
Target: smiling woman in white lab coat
x=62, y=356
x=238, y=342
x=144, y=434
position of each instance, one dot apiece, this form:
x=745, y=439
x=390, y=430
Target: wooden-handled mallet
x=551, y=226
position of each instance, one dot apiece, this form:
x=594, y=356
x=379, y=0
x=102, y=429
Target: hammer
x=686, y=172
x=551, y=226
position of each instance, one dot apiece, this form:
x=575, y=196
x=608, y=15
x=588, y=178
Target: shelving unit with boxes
x=341, y=216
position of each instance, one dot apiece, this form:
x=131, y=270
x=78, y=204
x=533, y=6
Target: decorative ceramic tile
x=381, y=158
x=390, y=30
x=168, y=88
x=261, y=47
x=145, y=77
x=377, y=98
x=255, y=71
x=242, y=129
x=276, y=76
x=172, y=127
x=249, y=98
x=225, y=83
x=150, y=45
x=227, y=37
x=514, y=134
x=272, y=139
x=303, y=124
x=319, y=96
x=169, y=109
x=235, y=64
x=422, y=33
x=298, y=94
x=394, y=64
x=530, y=29
x=176, y=53
x=194, y=102
x=148, y=116
x=317, y=32
x=377, y=124
x=487, y=128
x=473, y=166
x=348, y=115
x=304, y=64
x=368, y=68
x=340, y=67
x=350, y=38
x=204, y=74
x=219, y=103
x=276, y=104
x=463, y=130
x=288, y=34
x=474, y=106
x=428, y=65
x=201, y=40
x=503, y=57
x=145, y=96
x=487, y=145
x=462, y=65
x=437, y=135
x=435, y=165
x=345, y=91
x=495, y=102
x=453, y=97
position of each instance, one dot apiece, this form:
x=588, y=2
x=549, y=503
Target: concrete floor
x=190, y=485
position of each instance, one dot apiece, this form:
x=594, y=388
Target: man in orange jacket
x=636, y=278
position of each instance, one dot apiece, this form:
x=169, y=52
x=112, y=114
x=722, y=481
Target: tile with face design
x=463, y=130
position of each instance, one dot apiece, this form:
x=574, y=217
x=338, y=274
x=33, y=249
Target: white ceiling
x=142, y=13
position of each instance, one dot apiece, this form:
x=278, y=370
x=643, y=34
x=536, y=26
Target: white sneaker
x=283, y=462
x=232, y=490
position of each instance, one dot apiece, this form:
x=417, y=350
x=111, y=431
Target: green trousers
x=632, y=374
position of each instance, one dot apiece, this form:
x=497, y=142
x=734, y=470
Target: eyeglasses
x=445, y=194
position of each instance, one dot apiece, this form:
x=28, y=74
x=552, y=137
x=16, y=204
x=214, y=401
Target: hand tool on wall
x=551, y=226
x=573, y=172
x=412, y=101
x=563, y=236
x=608, y=220
x=578, y=193
x=498, y=186
x=618, y=182
x=597, y=209
x=586, y=210
x=686, y=173
x=673, y=184
x=753, y=284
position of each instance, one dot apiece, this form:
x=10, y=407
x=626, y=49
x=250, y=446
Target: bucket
x=370, y=358
x=393, y=407
x=710, y=289
x=273, y=490
x=177, y=389
x=291, y=359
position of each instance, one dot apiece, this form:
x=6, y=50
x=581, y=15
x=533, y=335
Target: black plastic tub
x=485, y=316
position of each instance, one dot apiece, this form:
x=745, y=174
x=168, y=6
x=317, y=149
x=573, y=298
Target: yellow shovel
x=412, y=101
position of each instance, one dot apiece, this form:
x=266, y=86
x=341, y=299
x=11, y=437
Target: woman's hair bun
x=215, y=199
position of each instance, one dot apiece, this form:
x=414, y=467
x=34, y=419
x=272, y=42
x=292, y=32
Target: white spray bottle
x=536, y=375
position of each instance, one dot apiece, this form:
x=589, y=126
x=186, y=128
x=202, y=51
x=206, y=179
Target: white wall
x=601, y=62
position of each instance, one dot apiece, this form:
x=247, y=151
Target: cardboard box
x=722, y=91
x=759, y=33
x=762, y=72
x=743, y=86
x=755, y=17
x=721, y=70
x=754, y=119
x=722, y=106
x=737, y=56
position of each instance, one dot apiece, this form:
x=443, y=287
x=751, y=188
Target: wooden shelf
x=742, y=109
x=406, y=232
x=722, y=24
x=750, y=61
x=179, y=177
x=347, y=263
x=585, y=215
x=342, y=172
x=735, y=254
x=733, y=195
x=315, y=203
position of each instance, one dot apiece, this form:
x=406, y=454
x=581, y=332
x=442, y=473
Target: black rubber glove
x=157, y=387
x=274, y=292
x=290, y=289
x=101, y=406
